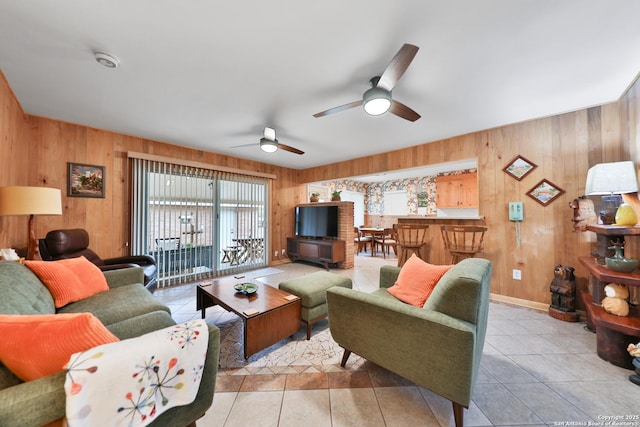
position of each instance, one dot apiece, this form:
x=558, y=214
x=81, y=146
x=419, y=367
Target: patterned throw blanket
x=132, y=382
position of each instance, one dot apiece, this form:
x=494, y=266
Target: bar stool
x=462, y=241
x=233, y=254
x=226, y=256
x=411, y=240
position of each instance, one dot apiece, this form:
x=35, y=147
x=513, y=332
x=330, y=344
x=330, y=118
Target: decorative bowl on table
x=622, y=265
x=246, y=288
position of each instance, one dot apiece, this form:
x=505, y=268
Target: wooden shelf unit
x=602, y=276
x=607, y=233
x=613, y=332
x=323, y=252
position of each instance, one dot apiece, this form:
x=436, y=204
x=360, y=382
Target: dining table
x=373, y=232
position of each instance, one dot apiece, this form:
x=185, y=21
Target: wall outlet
x=284, y=252
x=275, y=254
x=517, y=274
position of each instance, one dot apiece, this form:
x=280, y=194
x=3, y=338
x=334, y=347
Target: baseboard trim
x=520, y=302
x=279, y=262
x=529, y=304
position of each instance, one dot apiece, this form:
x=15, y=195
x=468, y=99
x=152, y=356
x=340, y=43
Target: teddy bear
x=583, y=213
x=615, y=301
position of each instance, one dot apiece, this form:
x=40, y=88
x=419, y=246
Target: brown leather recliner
x=63, y=244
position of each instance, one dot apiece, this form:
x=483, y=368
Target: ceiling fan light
x=376, y=101
x=268, y=146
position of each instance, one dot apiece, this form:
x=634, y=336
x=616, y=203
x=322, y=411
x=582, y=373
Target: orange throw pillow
x=416, y=281
x=69, y=280
x=34, y=346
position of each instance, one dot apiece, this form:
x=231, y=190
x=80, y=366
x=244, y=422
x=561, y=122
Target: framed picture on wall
x=85, y=180
x=519, y=167
x=545, y=192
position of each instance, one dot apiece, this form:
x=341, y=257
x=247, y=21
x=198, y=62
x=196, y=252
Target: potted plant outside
x=314, y=197
x=335, y=196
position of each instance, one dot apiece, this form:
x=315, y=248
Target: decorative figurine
x=563, y=294
x=583, y=213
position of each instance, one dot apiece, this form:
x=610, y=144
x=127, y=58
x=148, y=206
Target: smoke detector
x=107, y=60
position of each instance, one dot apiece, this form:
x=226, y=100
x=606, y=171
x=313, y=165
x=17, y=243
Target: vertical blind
x=197, y=222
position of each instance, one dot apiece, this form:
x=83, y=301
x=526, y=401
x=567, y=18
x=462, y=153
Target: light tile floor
x=535, y=371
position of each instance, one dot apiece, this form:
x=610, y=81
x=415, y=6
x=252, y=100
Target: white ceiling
x=211, y=75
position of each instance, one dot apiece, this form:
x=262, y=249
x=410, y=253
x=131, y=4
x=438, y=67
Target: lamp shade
x=30, y=201
x=611, y=178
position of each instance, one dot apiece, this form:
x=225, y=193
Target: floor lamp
x=30, y=201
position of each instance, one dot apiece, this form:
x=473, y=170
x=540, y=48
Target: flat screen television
x=317, y=221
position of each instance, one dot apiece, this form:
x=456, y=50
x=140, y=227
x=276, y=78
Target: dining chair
x=411, y=240
x=386, y=240
x=361, y=241
x=462, y=241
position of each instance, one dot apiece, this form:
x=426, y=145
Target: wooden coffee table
x=277, y=317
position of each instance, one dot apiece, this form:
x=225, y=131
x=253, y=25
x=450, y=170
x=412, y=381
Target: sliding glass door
x=242, y=224
x=197, y=223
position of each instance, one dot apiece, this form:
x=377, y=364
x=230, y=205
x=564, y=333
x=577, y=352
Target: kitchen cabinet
x=457, y=191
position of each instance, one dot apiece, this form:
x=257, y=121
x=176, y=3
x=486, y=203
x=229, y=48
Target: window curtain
x=198, y=223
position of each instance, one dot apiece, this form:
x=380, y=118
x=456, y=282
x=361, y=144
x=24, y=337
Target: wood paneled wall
x=563, y=147
x=14, y=160
x=630, y=127
x=35, y=151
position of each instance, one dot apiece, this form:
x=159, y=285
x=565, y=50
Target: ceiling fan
x=377, y=100
x=269, y=143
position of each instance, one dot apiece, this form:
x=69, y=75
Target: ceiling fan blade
x=338, y=109
x=401, y=110
x=289, y=149
x=397, y=66
x=244, y=145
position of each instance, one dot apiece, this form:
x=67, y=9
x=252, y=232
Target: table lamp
x=30, y=201
x=610, y=180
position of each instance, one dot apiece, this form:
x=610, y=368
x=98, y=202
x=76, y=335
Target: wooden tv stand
x=323, y=252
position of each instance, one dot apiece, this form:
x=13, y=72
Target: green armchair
x=437, y=347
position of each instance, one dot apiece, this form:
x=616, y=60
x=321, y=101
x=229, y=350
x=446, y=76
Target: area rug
x=295, y=351
x=320, y=350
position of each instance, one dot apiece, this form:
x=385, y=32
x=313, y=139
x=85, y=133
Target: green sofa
x=437, y=347
x=127, y=309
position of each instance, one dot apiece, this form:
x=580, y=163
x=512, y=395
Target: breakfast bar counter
x=441, y=220
x=434, y=248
